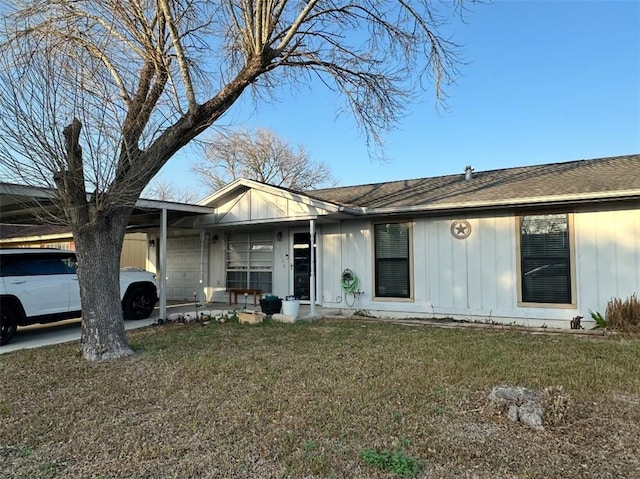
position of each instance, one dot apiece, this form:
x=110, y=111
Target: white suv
x=41, y=286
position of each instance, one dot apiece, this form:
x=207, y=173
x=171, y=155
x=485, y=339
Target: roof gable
x=245, y=201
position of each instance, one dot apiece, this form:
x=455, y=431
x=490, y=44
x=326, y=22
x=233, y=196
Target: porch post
x=163, y=264
x=312, y=270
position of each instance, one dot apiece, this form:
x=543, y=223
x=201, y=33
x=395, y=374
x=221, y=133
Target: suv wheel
x=8, y=323
x=139, y=303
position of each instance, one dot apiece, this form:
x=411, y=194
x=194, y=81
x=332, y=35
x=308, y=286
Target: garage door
x=183, y=268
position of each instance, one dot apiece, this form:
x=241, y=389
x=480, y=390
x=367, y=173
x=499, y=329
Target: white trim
x=535, y=201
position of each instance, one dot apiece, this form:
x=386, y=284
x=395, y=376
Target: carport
x=28, y=205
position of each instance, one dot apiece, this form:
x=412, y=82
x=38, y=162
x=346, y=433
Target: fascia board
x=172, y=206
x=540, y=200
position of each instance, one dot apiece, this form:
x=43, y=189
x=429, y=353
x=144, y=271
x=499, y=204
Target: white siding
x=256, y=206
x=345, y=245
x=332, y=268
x=608, y=257
x=472, y=276
x=477, y=278
x=281, y=264
x=214, y=290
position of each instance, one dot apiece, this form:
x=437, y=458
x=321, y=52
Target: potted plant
x=270, y=305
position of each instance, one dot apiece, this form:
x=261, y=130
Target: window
x=392, y=260
x=250, y=261
x=545, y=259
x=37, y=264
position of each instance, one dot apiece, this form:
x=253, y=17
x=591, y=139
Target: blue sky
x=545, y=82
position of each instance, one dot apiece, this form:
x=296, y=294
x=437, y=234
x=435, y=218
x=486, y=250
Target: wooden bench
x=257, y=294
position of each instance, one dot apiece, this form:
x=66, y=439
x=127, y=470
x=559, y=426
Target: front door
x=301, y=266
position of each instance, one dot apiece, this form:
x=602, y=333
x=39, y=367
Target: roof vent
x=468, y=173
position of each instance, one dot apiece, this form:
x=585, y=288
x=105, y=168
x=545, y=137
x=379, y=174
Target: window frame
x=571, y=258
x=410, y=256
x=250, y=268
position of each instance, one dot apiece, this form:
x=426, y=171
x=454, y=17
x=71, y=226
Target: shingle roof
x=573, y=180
x=9, y=231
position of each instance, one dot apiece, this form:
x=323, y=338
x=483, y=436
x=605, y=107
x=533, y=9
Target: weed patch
x=396, y=462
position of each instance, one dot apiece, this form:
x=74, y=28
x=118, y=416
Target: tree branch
x=181, y=57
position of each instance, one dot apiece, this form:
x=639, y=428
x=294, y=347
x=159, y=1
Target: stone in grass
x=283, y=318
x=250, y=317
x=523, y=405
x=530, y=414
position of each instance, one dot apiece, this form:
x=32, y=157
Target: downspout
x=312, y=270
x=163, y=264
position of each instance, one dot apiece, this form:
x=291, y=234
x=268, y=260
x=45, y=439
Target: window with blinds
x=249, y=260
x=392, y=260
x=545, y=259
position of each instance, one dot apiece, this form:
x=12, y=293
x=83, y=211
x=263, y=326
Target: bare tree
x=260, y=156
x=97, y=95
x=167, y=191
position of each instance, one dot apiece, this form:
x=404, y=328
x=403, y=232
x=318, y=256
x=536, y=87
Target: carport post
x=312, y=270
x=163, y=263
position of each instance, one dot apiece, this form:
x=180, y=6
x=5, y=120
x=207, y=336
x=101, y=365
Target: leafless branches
x=167, y=191
x=260, y=156
x=97, y=95
x=145, y=78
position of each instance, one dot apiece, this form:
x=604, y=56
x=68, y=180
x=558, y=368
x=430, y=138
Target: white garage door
x=183, y=268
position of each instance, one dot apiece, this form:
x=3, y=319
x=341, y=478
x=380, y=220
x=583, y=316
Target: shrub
x=624, y=315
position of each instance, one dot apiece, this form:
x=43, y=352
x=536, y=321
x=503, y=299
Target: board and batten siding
x=451, y=277
x=477, y=278
x=257, y=206
x=472, y=276
x=607, y=257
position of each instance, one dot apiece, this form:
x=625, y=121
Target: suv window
x=37, y=264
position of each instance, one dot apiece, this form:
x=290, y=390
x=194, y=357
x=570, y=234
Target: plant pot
x=290, y=307
x=271, y=306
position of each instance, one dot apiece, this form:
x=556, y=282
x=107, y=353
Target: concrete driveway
x=39, y=335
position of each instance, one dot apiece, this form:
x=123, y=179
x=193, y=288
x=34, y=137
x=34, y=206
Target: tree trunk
x=98, y=247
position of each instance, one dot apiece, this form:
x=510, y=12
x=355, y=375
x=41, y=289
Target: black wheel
x=139, y=303
x=8, y=323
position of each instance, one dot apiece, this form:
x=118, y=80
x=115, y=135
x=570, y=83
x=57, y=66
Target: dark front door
x=302, y=265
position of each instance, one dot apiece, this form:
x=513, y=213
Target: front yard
x=319, y=400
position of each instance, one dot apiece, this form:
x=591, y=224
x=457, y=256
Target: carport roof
x=19, y=204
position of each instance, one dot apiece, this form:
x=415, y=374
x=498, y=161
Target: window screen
x=392, y=260
x=250, y=261
x=545, y=259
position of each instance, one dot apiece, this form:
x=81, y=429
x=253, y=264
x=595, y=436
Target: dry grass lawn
x=305, y=401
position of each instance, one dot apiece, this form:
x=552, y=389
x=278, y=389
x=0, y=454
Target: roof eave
x=626, y=195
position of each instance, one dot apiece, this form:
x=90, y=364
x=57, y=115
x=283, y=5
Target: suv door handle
x=18, y=281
